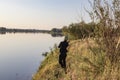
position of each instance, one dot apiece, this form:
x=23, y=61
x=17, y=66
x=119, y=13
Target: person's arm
x=59, y=45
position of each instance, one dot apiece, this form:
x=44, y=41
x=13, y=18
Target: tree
x=106, y=13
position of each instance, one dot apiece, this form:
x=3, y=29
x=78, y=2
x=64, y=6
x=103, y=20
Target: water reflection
x=53, y=34
x=2, y=32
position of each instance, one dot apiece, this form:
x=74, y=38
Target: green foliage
x=79, y=30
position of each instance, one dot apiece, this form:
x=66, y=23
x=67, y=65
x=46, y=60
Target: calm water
x=21, y=54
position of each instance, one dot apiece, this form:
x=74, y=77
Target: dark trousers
x=62, y=60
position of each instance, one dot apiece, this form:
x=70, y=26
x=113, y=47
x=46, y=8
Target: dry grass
x=85, y=61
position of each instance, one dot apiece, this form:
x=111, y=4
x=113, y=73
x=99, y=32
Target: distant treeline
x=3, y=29
x=54, y=32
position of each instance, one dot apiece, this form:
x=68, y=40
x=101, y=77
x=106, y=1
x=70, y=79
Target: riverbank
x=85, y=61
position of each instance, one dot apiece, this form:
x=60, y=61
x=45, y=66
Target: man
x=63, y=50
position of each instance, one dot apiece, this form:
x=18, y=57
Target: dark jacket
x=63, y=47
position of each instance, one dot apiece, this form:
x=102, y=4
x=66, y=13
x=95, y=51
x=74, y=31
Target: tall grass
x=85, y=61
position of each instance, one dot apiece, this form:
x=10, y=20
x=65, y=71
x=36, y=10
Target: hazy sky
x=41, y=14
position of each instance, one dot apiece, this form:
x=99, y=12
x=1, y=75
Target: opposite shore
x=54, y=32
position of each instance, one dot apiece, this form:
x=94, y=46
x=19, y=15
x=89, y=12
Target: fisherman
x=63, y=52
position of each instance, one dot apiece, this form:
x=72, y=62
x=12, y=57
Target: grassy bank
x=85, y=61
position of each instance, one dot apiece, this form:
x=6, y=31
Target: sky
x=42, y=14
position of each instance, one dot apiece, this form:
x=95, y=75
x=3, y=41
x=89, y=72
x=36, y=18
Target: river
x=21, y=54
